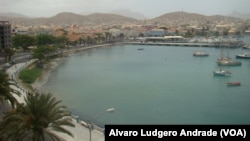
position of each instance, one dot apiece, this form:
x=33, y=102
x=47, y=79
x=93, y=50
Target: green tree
x=225, y=32
x=44, y=52
x=108, y=36
x=45, y=39
x=121, y=36
x=39, y=53
x=89, y=40
x=60, y=40
x=189, y=34
x=23, y=41
x=216, y=33
x=36, y=120
x=81, y=41
x=177, y=32
x=6, y=92
x=98, y=37
x=141, y=35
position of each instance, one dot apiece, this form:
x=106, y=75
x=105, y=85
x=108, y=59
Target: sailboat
x=227, y=61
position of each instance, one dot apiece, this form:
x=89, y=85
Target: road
x=16, y=58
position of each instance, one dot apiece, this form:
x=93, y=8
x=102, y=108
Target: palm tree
x=6, y=93
x=108, y=36
x=89, y=40
x=98, y=37
x=36, y=120
x=121, y=36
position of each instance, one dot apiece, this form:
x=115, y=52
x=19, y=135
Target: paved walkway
x=81, y=131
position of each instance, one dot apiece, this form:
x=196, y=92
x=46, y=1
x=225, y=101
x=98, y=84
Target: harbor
x=133, y=80
x=173, y=44
x=189, y=42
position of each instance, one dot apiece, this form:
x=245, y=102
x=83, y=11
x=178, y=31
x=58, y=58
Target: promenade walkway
x=81, y=131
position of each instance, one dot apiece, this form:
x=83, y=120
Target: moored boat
x=222, y=73
x=243, y=56
x=200, y=53
x=226, y=61
x=246, y=47
x=233, y=83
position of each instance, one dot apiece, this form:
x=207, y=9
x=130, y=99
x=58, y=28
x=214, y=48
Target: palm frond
x=41, y=114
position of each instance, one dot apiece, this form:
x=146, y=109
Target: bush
x=30, y=75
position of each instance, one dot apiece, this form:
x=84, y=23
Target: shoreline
x=80, y=125
x=44, y=78
x=51, y=66
x=41, y=81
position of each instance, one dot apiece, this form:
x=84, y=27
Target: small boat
x=200, y=53
x=222, y=73
x=243, y=56
x=233, y=83
x=246, y=47
x=140, y=49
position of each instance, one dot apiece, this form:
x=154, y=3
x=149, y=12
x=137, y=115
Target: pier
x=186, y=44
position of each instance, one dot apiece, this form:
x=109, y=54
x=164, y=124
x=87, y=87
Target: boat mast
x=221, y=52
x=228, y=43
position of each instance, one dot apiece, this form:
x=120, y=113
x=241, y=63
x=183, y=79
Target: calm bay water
x=157, y=85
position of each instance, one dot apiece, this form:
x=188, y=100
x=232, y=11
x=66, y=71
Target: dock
x=185, y=44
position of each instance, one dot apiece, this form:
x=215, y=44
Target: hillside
x=184, y=17
x=13, y=15
x=237, y=14
x=71, y=18
x=109, y=18
x=128, y=13
x=101, y=18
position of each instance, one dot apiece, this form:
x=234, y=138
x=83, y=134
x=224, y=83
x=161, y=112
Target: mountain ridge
x=181, y=16
x=110, y=18
x=13, y=15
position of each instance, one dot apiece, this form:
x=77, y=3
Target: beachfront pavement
x=81, y=132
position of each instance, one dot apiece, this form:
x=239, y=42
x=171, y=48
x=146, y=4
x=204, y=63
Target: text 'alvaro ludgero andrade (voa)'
x=176, y=132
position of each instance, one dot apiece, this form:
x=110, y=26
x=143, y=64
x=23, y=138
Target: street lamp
x=91, y=126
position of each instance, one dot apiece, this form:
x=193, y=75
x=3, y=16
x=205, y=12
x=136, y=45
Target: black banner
x=177, y=132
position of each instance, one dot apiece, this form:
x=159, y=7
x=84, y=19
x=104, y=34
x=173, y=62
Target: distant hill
x=186, y=17
x=65, y=18
x=13, y=15
x=100, y=18
x=71, y=18
x=109, y=18
x=128, y=13
x=237, y=14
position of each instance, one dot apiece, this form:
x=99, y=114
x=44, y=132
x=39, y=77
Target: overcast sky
x=149, y=8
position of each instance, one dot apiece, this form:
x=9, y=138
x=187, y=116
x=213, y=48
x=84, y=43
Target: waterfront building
x=165, y=39
x=156, y=33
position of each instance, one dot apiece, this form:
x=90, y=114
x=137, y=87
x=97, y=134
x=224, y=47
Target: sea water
x=157, y=85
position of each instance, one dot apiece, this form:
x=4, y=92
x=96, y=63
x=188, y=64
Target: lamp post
x=91, y=126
